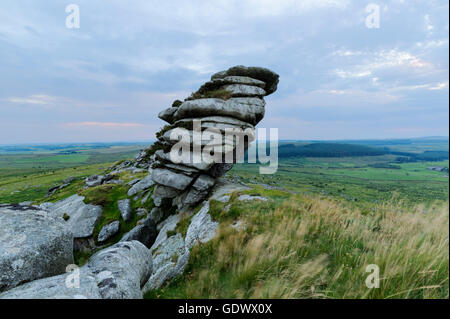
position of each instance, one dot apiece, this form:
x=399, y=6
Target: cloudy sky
x=108, y=79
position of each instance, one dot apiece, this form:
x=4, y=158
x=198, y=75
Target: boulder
x=144, y=233
x=201, y=166
x=117, y=272
x=171, y=179
x=202, y=228
x=125, y=209
x=167, y=114
x=144, y=184
x=198, y=192
x=33, y=244
x=162, y=193
x=169, y=224
x=246, y=109
x=108, y=231
x=169, y=261
x=81, y=218
x=269, y=77
x=96, y=180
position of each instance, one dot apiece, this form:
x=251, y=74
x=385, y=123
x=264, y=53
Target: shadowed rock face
x=232, y=99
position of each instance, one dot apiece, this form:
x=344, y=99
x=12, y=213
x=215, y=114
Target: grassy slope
x=297, y=246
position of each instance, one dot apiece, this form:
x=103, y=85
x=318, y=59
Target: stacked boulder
x=232, y=101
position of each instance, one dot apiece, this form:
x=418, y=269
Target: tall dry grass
x=318, y=248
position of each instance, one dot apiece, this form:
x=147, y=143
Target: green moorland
x=27, y=172
x=327, y=217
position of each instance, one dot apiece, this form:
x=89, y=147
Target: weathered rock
x=125, y=209
x=167, y=114
x=33, y=244
x=198, y=192
x=201, y=229
x=56, y=288
x=141, y=212
x=133, y=181
x=144, y=184
x=227, y=121
x=108, y=231
x=156, y=214
x=121, y=270
x=171, y=179
x=80, y=217
x=202, y=166
x=168, y=224
x=171, y=253
x=169, y=260
x=269, y=77
x=242, y=90
x=162, y=193
x=249, y=197
x=247, y=109
x=117, y=272
x=96, y=180
x=66, y=182
x=144, y=233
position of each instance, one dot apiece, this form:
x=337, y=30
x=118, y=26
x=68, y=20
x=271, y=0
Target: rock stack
x=232, y=101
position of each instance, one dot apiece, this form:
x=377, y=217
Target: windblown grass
x=310, y=247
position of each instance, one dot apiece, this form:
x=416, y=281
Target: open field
x=28, y=176
x=354, y=178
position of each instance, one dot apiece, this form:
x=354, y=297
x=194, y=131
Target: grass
x=311, y=247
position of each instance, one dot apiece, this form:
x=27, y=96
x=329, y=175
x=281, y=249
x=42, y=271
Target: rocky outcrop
x=33, y=244
x=231, y=100
x=117, y=272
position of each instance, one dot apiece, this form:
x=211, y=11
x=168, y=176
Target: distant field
x=27, y=175
x=352, y=178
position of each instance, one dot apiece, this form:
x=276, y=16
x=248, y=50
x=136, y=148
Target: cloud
x=32, y=99
x=379, y=61
x=128, y=62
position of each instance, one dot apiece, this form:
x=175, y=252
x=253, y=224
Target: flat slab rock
x=82, y=217
x=117, y=272
x=247, y=109
x=269, y=77
x=33, y=244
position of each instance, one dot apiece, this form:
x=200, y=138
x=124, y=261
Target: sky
x=342, y=75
